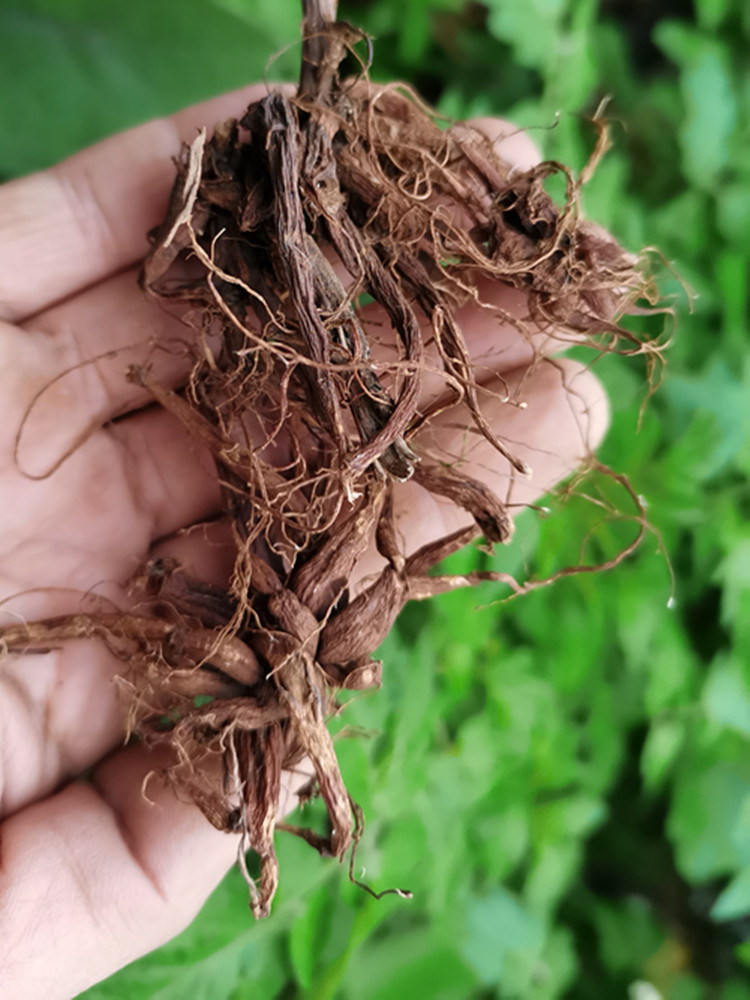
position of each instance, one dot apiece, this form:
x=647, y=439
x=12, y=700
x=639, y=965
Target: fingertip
x=588, y=400
x=511, y=143
x=552, y=417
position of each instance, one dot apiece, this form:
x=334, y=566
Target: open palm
x=93, y=480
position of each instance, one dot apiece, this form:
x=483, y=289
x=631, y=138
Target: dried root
x=277, y=228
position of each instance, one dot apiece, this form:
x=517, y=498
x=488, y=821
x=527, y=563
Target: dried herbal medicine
x=279, y=227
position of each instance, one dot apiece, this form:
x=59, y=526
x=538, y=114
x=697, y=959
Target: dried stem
x=318, y=62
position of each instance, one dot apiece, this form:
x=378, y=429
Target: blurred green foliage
x=563, y=781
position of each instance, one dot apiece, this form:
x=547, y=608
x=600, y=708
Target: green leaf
x=497, y=926
x=308, y=935
x=72, y=73
x=557, y=967
x=726, y=697
x=736, y=989
x=710, y=102
x=685, y=987
x=719, y=392
x=734, y=574
x=628, y=932
x=733, y=214
x=712, y=13
x=575, y=815
x=503, y=838
x=742, y=953
x=410, y=964
x=734, y=901
x=551, y=876
x=665, y=739
x=532, y=29
x=708, y=819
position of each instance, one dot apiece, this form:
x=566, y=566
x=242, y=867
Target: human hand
x=93, y=873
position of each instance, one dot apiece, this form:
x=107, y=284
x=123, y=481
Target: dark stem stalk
x=320, y=56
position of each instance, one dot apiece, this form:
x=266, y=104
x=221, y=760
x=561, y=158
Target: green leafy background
x=562, y=781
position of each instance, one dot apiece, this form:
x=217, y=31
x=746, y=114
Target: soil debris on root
x=279, y=228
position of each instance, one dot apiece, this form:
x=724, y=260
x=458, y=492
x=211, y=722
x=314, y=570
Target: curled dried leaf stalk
x=276, y=228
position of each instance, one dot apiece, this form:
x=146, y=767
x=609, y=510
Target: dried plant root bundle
x=279, y=229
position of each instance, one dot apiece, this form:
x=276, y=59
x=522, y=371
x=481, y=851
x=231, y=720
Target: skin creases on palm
x=67, y=542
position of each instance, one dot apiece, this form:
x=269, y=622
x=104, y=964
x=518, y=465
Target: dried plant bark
x=276, y=227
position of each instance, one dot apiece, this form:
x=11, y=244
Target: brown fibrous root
x=277, y=228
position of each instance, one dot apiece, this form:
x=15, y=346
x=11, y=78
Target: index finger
x=70, y=226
